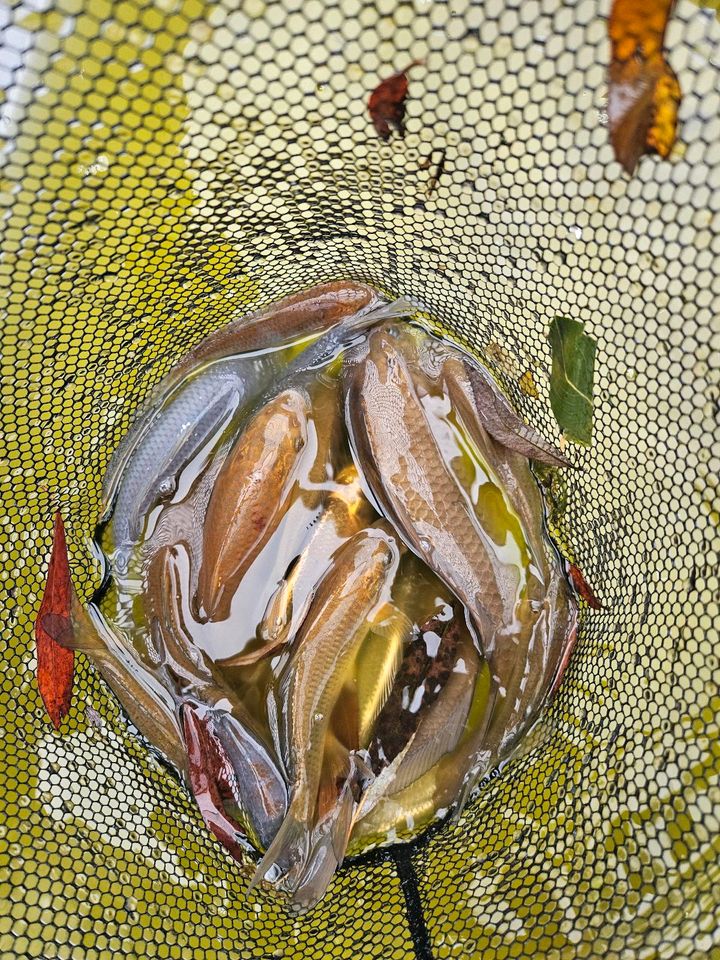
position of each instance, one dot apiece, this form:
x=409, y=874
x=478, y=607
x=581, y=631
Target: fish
x=439, y=728
x=247, y=504
x=538, y=647
x=346, y=511
x=405, y=432
x=403, y=465
x=511, y=467
x=353, y=597
x=253, y=780
x=177, y=432
x=375, y=671
x=202, y=392
x=144, y=699
x=492, y=408
x=425, y=781
x=409, y=792
x=251, y=492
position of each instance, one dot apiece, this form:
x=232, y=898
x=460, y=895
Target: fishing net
x=168, y=166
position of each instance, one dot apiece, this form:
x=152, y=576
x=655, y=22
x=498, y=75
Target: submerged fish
x=255, y=786
x=353, y=596
x=346, y=512
x=528, y=663
x=440, y=721
x=420, y=678
x=251, y=493
x=469, y=507
x=180, y=428
x=407, y=473
x=203, y=391
x=426, y=778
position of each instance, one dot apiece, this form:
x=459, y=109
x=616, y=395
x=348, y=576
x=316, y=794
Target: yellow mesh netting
x=167, y=166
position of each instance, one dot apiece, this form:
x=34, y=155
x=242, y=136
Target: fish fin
x=75, y=632
x=388, y=620
x=380, y=657
x=345, y=720
x=373, y=314
x=288, y=852
x=334, y=771
x=504, y=425
x=207, y=769
x=278, y=614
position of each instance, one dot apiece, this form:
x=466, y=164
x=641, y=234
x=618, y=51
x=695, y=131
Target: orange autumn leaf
x=643, y=91
x=55, y=664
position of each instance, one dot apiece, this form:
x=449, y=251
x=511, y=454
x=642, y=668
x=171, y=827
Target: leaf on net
x=643, y=91
x=583, y=588
x=387, y=103
x=55, y=664
x=571, y=380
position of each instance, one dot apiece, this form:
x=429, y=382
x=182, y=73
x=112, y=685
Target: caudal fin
x=329, y=841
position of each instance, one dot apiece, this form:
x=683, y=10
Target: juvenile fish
x=354, y=594
x=528, y=664
x=251, y=493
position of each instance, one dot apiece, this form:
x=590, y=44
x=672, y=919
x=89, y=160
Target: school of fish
x=332, y=603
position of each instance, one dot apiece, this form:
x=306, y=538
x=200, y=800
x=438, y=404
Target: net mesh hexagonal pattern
x=168, y=166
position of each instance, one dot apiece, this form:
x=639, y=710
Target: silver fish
x=173, y=436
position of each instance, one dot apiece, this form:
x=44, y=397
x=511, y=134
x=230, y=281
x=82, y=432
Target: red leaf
x=387, y=103
x=55, y=664
x=583, y=588
x=207, y=766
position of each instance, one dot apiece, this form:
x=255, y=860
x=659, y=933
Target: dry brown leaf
x=643, y=92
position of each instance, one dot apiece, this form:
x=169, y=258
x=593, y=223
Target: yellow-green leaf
x=571, y=380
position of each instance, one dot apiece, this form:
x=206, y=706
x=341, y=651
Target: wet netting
x=169, y=165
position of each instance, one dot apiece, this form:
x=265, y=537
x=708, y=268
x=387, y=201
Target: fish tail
x=288, y=851
x=374, y=314
x=308, y=884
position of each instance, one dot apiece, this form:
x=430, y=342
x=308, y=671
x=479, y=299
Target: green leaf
x=571, y=380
